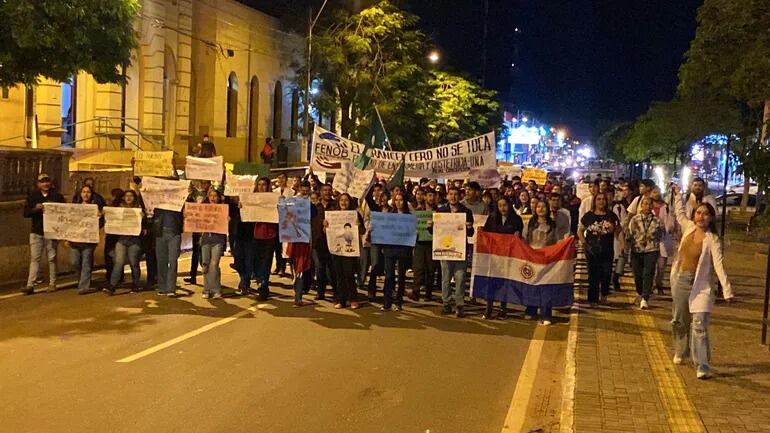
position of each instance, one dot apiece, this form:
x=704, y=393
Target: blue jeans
x=456, y=269
x=38, y=245
x=212, y=275
x=167, y=247
x=322, y=264
x=82, y=262
x=126, y=253
x=690, y=330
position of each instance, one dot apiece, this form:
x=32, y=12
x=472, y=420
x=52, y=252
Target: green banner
x=423, y=216
x=243, y=167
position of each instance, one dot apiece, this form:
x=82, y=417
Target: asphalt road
x=193, y=365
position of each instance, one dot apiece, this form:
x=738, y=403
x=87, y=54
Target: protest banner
x=539, y=175
x=124, y=221
x=342, y=233
x=394, y=229
x=148, y=163
x=487, y=178
x=204, y=168
x=353, y=181
x=243, y=167
x=583, y=190
x=164, y=194
x=343, y=177
x=294, y=220
x=423, y=216
x=259, y=207
x=508, y=172
x=71, y=222
x=237, y=184
x=205, y=218
x=449, y=236
x=451, y=160
x=478, y=222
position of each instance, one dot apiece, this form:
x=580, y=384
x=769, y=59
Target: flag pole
x=387, y=140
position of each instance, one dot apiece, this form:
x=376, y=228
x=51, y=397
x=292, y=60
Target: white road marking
x=567, y=417
x=187, y=336
x=514, y=420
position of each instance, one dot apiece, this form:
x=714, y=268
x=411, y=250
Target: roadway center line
x=514, y=420
x=187, y=336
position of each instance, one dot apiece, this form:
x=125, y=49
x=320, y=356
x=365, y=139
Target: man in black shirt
x=38, y=244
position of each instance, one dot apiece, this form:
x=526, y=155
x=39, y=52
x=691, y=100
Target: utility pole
x=306, y=102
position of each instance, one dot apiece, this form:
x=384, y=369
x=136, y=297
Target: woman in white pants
x=700, y=252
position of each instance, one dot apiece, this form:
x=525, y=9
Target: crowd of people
x=618, y=222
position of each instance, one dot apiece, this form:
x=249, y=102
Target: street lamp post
x=306, y=117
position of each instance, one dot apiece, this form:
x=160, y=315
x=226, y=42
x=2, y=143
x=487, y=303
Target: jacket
x=35, y=198
x=513, y=224
x=702, y=294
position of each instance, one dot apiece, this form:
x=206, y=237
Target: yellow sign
x=537, y=174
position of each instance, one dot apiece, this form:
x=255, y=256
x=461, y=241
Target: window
x=232, y=105
x=278, y=112
x=5, y=91
x=294, y=114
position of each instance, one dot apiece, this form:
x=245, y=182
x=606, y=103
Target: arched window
x=253, y=119
x=232, y=105
x=278, y=111
x=294, y=114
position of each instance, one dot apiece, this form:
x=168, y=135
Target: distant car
x=738, y=188
x=733, y=202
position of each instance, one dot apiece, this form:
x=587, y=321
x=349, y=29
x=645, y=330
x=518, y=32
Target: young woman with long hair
x=645, y=231
x=396, y=256
x=502, y=220
x=597, y=231
x=345, y=267
x=128, y=250
x=82, y=254
x=540, y=232
x=212, y=249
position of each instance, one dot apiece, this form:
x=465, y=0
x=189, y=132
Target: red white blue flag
x=506, y=269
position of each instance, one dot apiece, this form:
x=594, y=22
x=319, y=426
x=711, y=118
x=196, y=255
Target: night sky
x=580, y=63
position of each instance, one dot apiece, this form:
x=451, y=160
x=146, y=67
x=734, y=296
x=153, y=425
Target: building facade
x=212, y=67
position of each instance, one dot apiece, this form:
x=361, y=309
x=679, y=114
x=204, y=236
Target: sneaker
x=87, y=291
x=354, y=305
x=338, y=306
x=206, y=296
x=52, y=288
x=171, y=294
x=216, y=296
x=678, y=360
x=240, y=291
x=298, y=304
x=546, y=323
x=702, y=373
x=28, y=290
x=446, y=309
x=109, y=291
x=384, y=308
x=603, y=299
x=191, y=281
x=643, y=305
x=399, y=307
x=459, y=312
x=485, y=317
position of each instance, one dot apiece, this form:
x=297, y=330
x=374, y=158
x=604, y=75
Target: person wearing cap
x=38, y=244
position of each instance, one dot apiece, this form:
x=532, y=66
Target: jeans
x=212, y=275
x=301, y=281
x=322, y=263
x=37, y=246
x=126, y=253
x=456, y=269
x=620, y=264
x=391, y=278
x=378, y=265
x=167, y=247
x=644, y=265
x=599, y=276
x=690, y=331
x=344, y=269
x=280, y=262
x=424, y=269
x=263, y=259
x=660, y=271
x=363, y=266
x=243, y=255
x=83, y=262
x=110, y=241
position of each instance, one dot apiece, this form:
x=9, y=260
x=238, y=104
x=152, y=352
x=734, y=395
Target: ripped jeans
x=690, y=330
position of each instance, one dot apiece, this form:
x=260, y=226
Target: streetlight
x=434, y=57
x=306, y=117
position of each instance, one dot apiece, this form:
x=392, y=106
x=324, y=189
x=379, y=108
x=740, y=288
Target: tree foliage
x=608, y=145
x=57, y=39
x=464, y=109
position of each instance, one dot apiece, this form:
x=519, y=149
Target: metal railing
x=19, y=169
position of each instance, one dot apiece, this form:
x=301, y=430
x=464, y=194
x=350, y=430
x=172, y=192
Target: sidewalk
x=626, y=381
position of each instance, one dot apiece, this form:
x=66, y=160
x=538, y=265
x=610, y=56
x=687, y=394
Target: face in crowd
x=86, y=193
x=304, y=190
x=213, y=196
x=383, y=200
x=326, y=193
x=419, y=197
x=399, y=203
x=600, y=202
x=524, y=198
x=703, y=216
x=503, y=207
x=129, y=198
x=430, y=197
x=453, y=196
x=44, y=185
x=263, y=185
x=698, y=187
x=541, y=209
x=314, y=198
x=344, y=201
x=646, y=205
x=376, y=191
x=655, y=194
x=282, y=180
x=555, y=201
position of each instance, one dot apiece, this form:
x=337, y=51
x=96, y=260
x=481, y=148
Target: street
x=142, y=363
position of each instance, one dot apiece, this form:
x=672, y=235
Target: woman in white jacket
x=700, y=252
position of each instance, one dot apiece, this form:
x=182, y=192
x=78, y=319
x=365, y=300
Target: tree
x=57, y=39
x=608, y=145
x=374, y=57
x=464, y=109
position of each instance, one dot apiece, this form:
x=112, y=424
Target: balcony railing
x=19, y=169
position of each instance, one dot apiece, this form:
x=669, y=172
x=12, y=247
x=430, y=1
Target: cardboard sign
x=294, y=220
x=159, y=164
x=124, y=221
x=204, y=168
x=205, y=218
x=508, y=172
x=237, y=184
x=537, y=174
x=342, y=233
x=394, y=229
x=71, y=222
x=487, y=178
x=353, y=181
x=423, y=216
x=164, y=194
x=449, y=236
x=259, y=207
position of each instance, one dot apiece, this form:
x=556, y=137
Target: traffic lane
x=417, y=364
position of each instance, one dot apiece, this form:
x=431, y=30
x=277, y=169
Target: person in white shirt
x=697, y=196
x=645, y=188
x=588, y=202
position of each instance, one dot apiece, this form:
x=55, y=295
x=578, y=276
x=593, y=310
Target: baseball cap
x=43, y=177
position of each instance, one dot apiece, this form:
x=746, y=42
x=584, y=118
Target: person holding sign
x=503, y=220
x=454, y=268
x=266, y=236
x=168, y=240
x=422, y=258
x=83, y=253
x=212, y=248
x=38, y=243
x=396, y=256
x=345, y=265
x=128, y=249
x=538, y=233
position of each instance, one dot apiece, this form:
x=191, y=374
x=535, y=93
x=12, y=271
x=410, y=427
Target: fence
x=19, y=169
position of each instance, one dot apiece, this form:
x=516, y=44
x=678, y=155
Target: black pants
x=109, y=253
x=644, y=265
x=324, y=270
x=196, y=255
x=148, y=247
x=424, y=269
x=280, y=262
x=344, y=271
x=599, y=275
x=392, y=279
